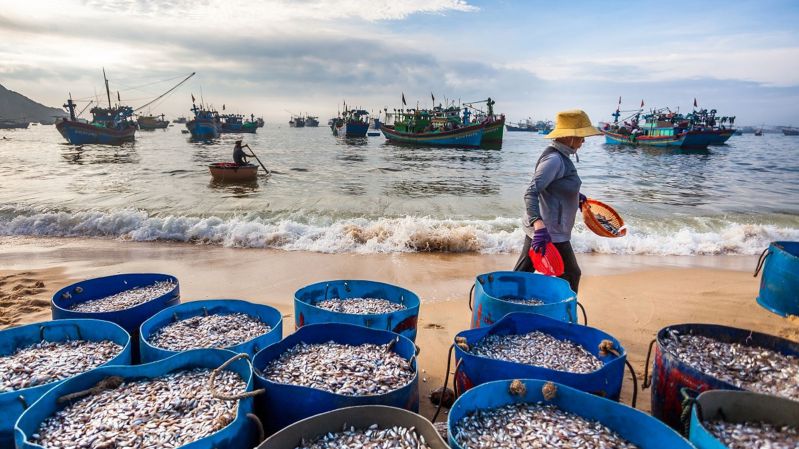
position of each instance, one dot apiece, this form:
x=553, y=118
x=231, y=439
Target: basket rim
x=591, y=222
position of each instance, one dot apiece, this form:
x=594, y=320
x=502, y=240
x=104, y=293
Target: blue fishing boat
x=235, y=123
x=205, y=124
x=468, y=136
x=352, y=123
x=653, y=132
x=701, y=128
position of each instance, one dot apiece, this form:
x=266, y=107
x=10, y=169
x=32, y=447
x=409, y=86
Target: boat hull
x=665, y=141
x=246, y=128
x=790, y=132
x=351, y=130
x=512, y=128
x=701, y=139
x=493, y=132
x=14, y=125
x=78, y=133
x=231, y=172
x=151, y=126
x=470, y=136
x=202, y=130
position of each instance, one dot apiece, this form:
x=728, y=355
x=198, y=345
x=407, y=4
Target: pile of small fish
x=125, y=299
x=164, y=412
x=748, y=367
x=534, y=426
x=362, y=370
x=211, y=331
x=525, y=301
x=538, y=349
x=757, y=435
x=372, y=438
x=606, y=223
x=360, y=306
x=47, y=362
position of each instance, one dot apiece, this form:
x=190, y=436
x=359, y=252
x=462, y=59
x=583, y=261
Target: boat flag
x=694, y=101
x=642, y=103
x=118, y=99
x=433, y=97
x=223, y=106
x=403, y=99
x=192, y=98
x=619, y=100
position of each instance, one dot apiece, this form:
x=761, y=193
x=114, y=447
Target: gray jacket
x=553, y=194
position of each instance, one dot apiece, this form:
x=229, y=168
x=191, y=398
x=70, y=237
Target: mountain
x=14, y=106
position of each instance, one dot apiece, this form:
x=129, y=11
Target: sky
x=534, y=58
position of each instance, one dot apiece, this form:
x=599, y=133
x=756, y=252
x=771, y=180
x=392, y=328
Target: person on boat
x=239, y=155
x=553, y=196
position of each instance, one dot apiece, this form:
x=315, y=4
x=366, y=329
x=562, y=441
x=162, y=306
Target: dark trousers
x=571, y=271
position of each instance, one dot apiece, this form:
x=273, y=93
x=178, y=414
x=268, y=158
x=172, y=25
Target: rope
x=455, y=378
x=635, y=383
x=258, y=425
x=585, y=315
x=688, y=402
x=549, y=390
x=109, y=383
x=231, y=397
x=647, y=381
x=446, y=379
x=761, y=261
x=471, y=293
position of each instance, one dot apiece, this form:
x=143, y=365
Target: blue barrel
x=472, y=370
x=360, y=417
x=402, y=322
x=242, y=433
x=267, y=314
x=634, y=426
x=670, y=375
x=130, y=319
x=491, y=290
x=738, y=407
x=13, y=403
x=286, y=404
x=780, y=281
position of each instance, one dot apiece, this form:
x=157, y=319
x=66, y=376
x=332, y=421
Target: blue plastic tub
x=779, y=285
x=472, y=370
x=670, y=375
x=738, y=407
x=492, y=289
x=636, y=427
x=242, y=433
x=284, y=404
x=402, y=322
x=13, y=403
x=266, y=314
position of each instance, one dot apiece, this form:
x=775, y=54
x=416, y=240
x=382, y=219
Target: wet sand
x=630, y=297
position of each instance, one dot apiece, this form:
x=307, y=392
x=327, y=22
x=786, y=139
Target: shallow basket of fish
x=195, y=399
x=526, y=345
x=371, y=304
x=724, y=419
x=36, y=357
x=602, y=220
x=236, y=325
x=323, y=367
x=125, y=299
x=363, y=426
x=502, y=292
x=527, y=413
x=704, y=357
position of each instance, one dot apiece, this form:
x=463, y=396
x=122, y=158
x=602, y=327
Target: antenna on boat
x=107, y=92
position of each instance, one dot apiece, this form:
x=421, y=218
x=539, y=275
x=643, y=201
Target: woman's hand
x=540, y=239
x=582, y=200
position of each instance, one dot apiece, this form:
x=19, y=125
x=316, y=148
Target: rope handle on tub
x=258, y=426
x=471, y=294
x=230, y=397
x=647, y=380
x=606, y=347
x=761, y=261
x=108, y=383
x=75, y=325
x=689, y=402
x=585, y=315
x=446, y=381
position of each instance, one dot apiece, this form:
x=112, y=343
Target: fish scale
x=212, y=331
x=164, y=412
x=751, y=368
x=47, y=362
x=360, y=306
x=534, y=426
x=754, y=435
x=538, y=349
x=373, y=437
x=125, y=299
x=351, y=370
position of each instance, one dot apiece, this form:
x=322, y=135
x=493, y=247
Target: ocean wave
x=387, y=235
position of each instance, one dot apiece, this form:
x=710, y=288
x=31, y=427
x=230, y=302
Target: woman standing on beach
x=553, y=196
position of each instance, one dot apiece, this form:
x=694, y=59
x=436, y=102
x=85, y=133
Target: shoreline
x=630, y=297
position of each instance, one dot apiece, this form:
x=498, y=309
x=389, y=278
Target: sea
x=331, y=195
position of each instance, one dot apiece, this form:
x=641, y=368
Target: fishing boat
x=352, y=123
x=311, y=121
x=701, y=128
x=494, y=124
x=235, y=123
x=525, y=126
x=205, y=124
x=297, y=122
x=423, y=127
x=14, y=124
x=790, y=131
x=544, y=127
x=149, y=122
x=232, y=172
x=180, y=120
x=652, y=132
x=260, y=122
x=759, y=132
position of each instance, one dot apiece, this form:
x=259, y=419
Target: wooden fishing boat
x=232, y=172
x=790, y=131
x=297, y=122
x=149, y=122
x=494, y=131
x=234, y=123
x=14, y=124
x=353, y=124
x=468, y=136
x=205, y=124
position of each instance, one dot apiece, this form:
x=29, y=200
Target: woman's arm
x=549, y=168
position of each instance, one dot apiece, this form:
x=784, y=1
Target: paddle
x=259, y=161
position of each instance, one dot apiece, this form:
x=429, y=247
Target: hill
x=15, y=106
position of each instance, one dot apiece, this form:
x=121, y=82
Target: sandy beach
x=630, y=297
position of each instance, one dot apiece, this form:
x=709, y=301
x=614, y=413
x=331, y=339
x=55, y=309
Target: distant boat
x=181, y=120
x=653, y=132
x=13, y=124
x=433, y=128
x=297, y=122
x=790, y=131
x=260, y=122
x=311, y=121
x=353, y=123
x=525, y=126
x=205, y=124
x=234, y=123
x=759, y=132
x=150, y=122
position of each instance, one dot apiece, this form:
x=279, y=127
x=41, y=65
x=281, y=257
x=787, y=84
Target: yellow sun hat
x=573, y=123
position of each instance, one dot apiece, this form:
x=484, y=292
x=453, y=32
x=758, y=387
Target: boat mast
x=107, y=92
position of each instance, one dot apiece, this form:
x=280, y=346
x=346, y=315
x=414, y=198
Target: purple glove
x=582, y=200
x=540, y=239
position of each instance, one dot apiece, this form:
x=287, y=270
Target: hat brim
x=587, y=131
